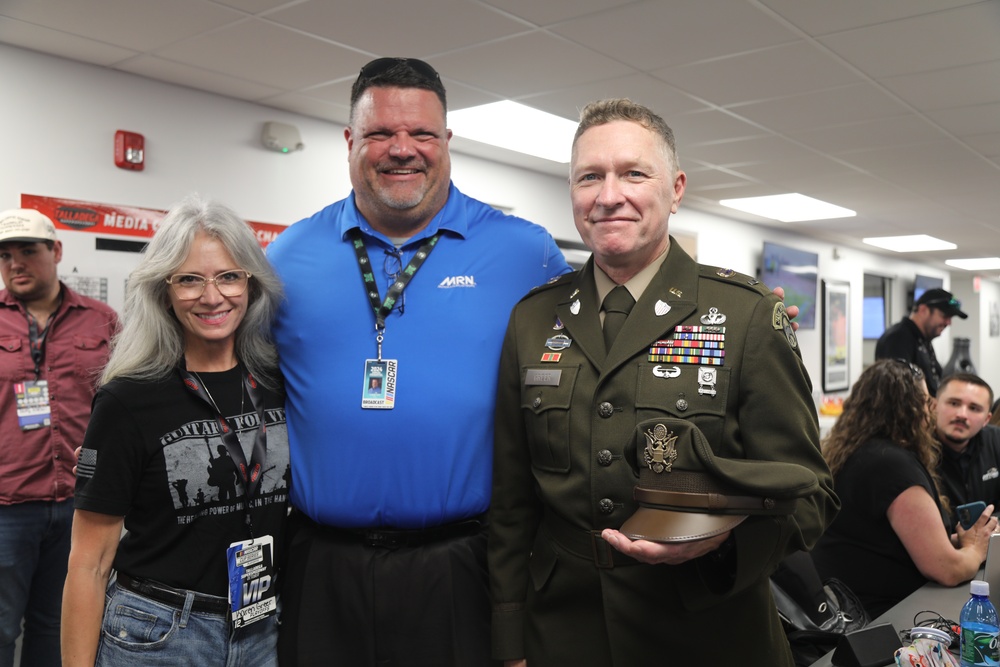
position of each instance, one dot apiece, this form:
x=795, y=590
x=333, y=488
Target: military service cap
x=687, y=493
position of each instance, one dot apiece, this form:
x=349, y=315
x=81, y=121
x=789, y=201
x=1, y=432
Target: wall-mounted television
x=797, y=271
x=923, y=283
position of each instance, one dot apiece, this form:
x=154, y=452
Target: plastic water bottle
x=980, y=628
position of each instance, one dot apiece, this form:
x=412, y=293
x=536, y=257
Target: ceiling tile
x=58, y=43
x=415, y=28
x=743, y=151
x=709, y=127
x=959, y=36
x=660, y=34
x=954, y=87
x=194, y=77
x=968, y=120
x=823, y=18
x=641, y=88
x=920, y=167
x=544, y=13
x=780, y=71
x=255, y=6
x=527, y=64
x=988, y=144
x=839, y=106
x=267, y=53
x=891, y=131
x=133, y=24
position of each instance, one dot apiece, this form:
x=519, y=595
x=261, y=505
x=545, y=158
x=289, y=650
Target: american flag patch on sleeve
x=87, y=463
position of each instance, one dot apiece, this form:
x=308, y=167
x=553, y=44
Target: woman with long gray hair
x=187, y=450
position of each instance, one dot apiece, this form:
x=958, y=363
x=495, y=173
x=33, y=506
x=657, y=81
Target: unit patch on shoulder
x=780, y=322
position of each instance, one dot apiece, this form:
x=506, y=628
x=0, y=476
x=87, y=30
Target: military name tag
x=538, y=377
x=379, y=392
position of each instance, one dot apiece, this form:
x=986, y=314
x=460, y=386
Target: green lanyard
x=382, y=308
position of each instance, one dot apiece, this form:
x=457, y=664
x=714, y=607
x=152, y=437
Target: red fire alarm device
x=129, y=153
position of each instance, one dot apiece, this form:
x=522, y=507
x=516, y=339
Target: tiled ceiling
x=887, y=107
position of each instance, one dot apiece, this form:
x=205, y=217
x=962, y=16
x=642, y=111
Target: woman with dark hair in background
x=187, y=448
x=891, y=534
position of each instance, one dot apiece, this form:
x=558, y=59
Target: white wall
x=60, y=118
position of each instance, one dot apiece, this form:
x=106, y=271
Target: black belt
x=391, y=538
x=174, y=597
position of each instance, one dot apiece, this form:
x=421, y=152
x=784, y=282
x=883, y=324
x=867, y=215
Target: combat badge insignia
x=780, y=322
x=558, y=342
x=713, y=317
x=661, y=449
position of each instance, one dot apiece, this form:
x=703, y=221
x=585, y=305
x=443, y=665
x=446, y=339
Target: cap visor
x=669, y=526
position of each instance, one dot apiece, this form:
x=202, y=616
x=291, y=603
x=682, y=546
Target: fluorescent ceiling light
x=913, y=243
x=789, y=208
x=516, y=127
x=975, y=263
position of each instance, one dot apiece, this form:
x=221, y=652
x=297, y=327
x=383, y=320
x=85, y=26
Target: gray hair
x=150, y=344
x=607, y=111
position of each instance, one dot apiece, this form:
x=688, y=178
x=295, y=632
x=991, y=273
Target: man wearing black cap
x=394, y=288
x=910, y=339
x=657, y=449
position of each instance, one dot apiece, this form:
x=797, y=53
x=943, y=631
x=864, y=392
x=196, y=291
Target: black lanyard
x=36, y=338
x=251, y=478
x=383, y=308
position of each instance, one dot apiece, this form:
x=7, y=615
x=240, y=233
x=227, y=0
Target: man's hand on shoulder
x=792, y=311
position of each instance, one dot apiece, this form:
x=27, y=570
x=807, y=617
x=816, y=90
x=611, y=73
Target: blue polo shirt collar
x=452, y=218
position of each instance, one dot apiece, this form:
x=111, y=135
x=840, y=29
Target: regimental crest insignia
x=661, y=449
x=780, y=321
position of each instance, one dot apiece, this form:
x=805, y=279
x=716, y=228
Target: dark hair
x=397, y=73
x=969, y=378
x=886, y=403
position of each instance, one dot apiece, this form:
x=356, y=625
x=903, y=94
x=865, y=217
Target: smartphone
x=969, y=513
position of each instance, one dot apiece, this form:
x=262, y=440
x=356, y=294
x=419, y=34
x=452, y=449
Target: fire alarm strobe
x=129, y=153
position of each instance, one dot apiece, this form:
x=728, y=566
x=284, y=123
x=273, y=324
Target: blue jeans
x=34, y=550
x=139, y=631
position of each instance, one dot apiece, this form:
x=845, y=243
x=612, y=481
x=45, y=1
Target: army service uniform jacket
x=568, y=420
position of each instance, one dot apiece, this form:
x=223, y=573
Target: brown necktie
x=617, y=305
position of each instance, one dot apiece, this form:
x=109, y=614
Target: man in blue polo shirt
x=407, y=286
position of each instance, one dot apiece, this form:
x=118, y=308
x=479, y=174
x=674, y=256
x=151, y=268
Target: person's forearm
x=82, y=614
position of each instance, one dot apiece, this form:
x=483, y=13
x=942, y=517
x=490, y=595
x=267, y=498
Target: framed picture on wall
x=836, y=325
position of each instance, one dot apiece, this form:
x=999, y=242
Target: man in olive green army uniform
x=708, y=349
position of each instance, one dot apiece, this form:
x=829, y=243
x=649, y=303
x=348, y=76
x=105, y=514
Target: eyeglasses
x=380, y=66
x=393, y=266
x=917, y=372
x=189, y=286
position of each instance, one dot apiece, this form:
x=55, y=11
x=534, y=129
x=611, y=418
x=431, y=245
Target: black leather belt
x=390, y=538
x=174, y=597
